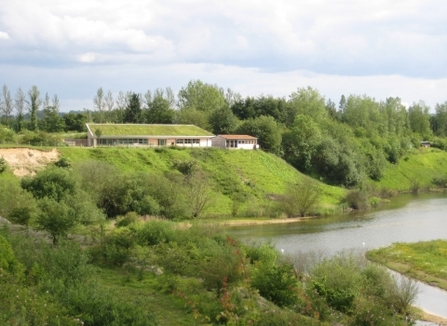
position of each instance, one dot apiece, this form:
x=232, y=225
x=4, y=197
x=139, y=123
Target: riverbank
x=434, y=319
x=424, y=261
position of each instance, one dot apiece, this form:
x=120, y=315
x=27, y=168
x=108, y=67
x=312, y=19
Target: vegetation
x=154, y=273
x=136, y=130
x=425, y=261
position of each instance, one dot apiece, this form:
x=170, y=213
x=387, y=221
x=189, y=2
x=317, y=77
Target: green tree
x=99, y=103
x=301, y=197
x=159, y=108
x=301, y=141
x=223, y=121
x=75, y=121
x=267, y=131
x=53, y=183
x=308, y=101
x=33, y=106
x=132, y=114
x=55, y=218
x=419, y=117
x=52, y=121
x=19, y=104
x=201, y=96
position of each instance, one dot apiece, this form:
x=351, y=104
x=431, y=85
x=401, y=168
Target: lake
x=407, y=218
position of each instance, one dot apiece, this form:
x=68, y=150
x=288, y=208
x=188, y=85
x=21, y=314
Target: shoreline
x=248, y=222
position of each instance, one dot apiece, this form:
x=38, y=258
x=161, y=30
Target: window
x=187, y=141
x=162, y=142
x=179, y=141
x=196, y=141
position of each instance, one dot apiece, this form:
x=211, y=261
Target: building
x=235, y=142
x=147, y=135
x=425, y=143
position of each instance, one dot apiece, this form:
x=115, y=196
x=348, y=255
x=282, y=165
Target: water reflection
x=405, y=219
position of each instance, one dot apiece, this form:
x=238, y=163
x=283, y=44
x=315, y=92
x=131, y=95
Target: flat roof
x=237, y=137
x=129, y=129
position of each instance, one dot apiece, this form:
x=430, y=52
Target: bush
x=358, y=199
x=3, y=164
x=127, y=219
x=276, y=283
x=155, y=232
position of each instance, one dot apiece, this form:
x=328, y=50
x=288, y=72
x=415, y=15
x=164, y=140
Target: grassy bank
x=425, y=261
x=415, y=169
x=254, y=176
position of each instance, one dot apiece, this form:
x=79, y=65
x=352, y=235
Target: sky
x=379, y=48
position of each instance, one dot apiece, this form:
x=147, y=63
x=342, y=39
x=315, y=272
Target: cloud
x=255, y=46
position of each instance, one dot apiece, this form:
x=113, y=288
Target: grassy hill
x=420, y=167
x=255, y=175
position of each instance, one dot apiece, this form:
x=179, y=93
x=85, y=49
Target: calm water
x=406, y=219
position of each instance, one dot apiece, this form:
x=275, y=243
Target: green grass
x=254, y=175
x=426, y=261
x=422, y=165
x=168, y=308
x=148, y=130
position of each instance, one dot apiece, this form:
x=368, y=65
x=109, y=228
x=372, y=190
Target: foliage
x=132, y=113
x=266, y=130
x=54, y=183
x=3, y=164
x=300, y=144
x=276, y=283
x=300, y=197
x=56, y=218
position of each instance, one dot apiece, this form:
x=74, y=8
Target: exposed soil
x=24, y=161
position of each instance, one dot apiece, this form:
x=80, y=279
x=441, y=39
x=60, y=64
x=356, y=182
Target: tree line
x=341, y=144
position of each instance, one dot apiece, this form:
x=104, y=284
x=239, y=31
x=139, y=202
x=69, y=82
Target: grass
x=148, y=130
x=425, y=261
x=248, y=176
x=421, y=165
x=169, y=309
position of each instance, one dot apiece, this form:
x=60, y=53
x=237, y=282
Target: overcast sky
x=380, y=48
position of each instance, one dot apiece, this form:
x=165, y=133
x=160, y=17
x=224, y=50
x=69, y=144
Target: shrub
x=3, y=164
x=358, y=199
x=127, y=219
x=155, y=232
x=276, y=283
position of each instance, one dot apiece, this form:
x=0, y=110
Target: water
x=406, y=219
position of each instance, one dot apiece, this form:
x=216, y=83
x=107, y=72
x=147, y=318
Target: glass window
x=162, y=142
x=179, y=141
x=187, y=141
x=196, y=141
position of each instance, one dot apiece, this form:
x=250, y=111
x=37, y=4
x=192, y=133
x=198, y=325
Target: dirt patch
x=24, y=161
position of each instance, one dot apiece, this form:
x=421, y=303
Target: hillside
x=253, y=175
x=419, y=167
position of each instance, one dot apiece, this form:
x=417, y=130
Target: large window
x=162, y=142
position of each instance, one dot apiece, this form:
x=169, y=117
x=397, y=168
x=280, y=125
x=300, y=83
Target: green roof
x=148, y=130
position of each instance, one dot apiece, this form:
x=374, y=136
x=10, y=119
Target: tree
x=132, y=113
x=301, y=197
x=200, y=96
x=54, y=183
x=33, y=106
x=266, y=130
x=109, y=104
x=308, y=101
x=419, y=117
x=159, y=107
x=75, y=121
x=301, y=142
x=99, y=103
x=56, y=218
x=52, y=121
x=19, y=104
x=7, y=105
x=199, y=192
x=223, y=121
